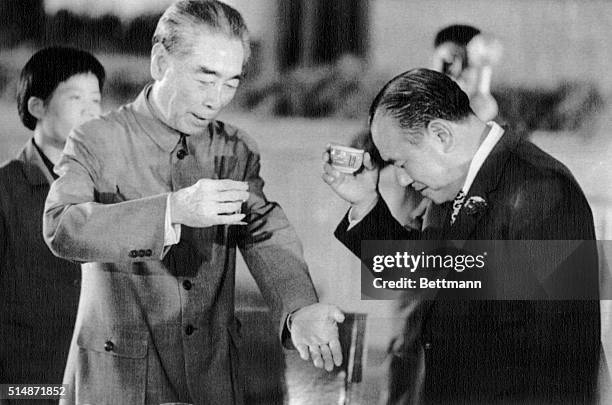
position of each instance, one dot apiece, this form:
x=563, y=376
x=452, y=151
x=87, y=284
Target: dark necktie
x=457, y=204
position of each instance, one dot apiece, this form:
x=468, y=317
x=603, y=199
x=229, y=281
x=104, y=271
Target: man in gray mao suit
x=154, y=198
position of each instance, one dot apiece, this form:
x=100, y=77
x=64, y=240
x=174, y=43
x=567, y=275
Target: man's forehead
x=200, y=34
x=383, y=125
x=210, y=48
x=214, y=54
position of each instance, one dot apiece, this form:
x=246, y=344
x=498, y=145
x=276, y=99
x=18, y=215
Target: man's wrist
x=361, y=209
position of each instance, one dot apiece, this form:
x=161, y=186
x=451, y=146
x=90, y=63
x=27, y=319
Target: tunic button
x=133, y=253
x=189, y=330
x=141, y=253
x=428, y=346
x=109, y=346
x=187, y=285
x=181, y=154
x=148, y=253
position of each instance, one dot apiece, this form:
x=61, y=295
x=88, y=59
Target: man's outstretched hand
x=314, y=333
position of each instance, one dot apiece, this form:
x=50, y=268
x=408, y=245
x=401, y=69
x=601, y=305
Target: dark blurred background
x=336, y=54
x=316, y=66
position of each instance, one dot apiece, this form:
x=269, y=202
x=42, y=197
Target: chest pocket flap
x=120, y=343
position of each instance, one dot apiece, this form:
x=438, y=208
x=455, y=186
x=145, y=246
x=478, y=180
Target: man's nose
x=402, y=177
x=213, y=97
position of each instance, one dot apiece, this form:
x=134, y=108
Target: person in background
x=450, y=53
x=156, y=197
x=467, y=55
x=59, y=89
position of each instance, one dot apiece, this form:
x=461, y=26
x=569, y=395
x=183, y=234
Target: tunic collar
x=35, y=170
x=162, y=134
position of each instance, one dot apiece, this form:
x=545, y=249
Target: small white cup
x=346, y=159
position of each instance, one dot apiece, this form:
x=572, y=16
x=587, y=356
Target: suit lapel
x=486, y=181
x=441, y=225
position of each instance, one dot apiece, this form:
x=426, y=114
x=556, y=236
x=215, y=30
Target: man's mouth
x=200, y=118
x=419, y=187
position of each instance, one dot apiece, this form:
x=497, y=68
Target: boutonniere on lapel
x=475, y=205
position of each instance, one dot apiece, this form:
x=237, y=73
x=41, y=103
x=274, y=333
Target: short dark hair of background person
x=458, y=34
x=46, y=69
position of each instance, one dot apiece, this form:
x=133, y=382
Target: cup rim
x=346, y=148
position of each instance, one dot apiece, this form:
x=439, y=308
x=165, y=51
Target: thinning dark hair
x=215, y=15
x=46, y=69
x=458, y=34
x=418, y=96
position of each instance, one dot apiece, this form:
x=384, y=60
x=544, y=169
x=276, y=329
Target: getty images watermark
x=483, y=270
x=407, y=262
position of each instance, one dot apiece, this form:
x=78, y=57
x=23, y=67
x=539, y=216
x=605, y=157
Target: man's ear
x=443, y=133
x=36, y=107
x=159, y=61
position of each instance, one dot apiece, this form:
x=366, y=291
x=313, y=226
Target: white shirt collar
x=485, y=148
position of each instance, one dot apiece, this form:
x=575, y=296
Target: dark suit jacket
x=38, y=292
x=501, y=351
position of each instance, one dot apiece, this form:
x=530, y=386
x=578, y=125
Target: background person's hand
x=209, y=202
x=314, y=333
x=359, y=188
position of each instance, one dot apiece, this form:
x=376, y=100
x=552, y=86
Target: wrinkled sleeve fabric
x=79, y=228
x=378, y=224
x=273, y=252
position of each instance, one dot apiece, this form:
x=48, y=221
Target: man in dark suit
x=59, y=88
x=489, y=186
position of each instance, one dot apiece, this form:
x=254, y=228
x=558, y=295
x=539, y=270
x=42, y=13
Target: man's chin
x=436, y=197
x=194, y=128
